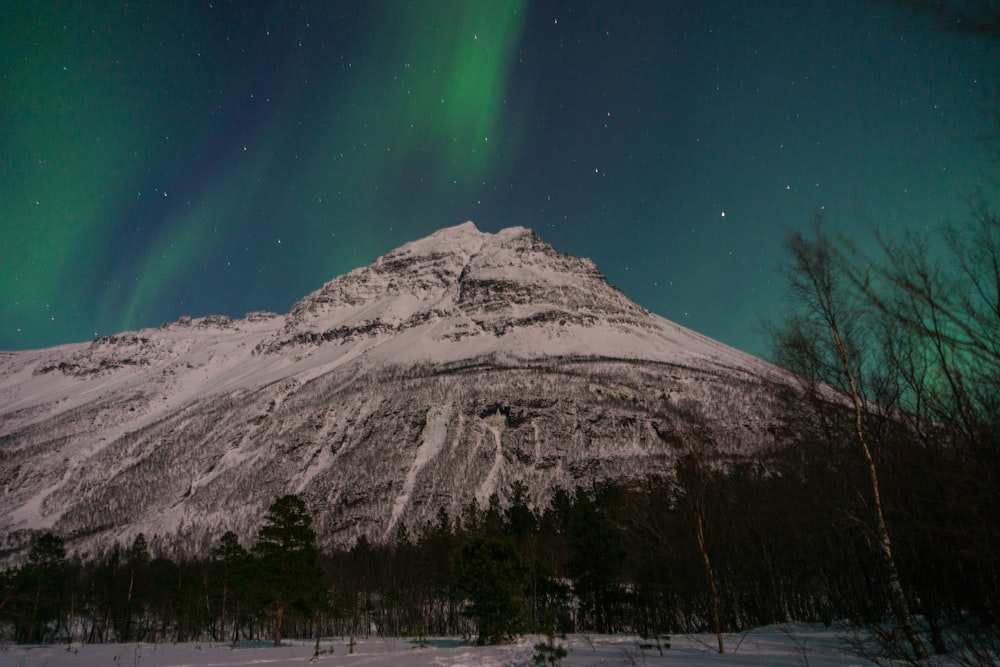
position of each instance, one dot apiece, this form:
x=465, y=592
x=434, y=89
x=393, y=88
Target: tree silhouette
x=290, y=576
x=492, y=575
x=825, y=338
x=36, y=592
x=231, y=567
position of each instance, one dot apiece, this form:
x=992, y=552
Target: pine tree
x=595, y=556
x=231, y=563
x=291, y=577
x=37, y=587
x=492, y=576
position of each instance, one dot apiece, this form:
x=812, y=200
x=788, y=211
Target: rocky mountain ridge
x=440, y=373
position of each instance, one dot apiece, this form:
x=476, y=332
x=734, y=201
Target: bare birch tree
x=826, y=337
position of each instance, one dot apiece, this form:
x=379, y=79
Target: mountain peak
x=463, y=236
x=465, y=239
x=460, y=292
x=460, y=283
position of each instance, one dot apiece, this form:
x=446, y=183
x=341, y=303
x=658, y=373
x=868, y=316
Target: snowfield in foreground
x=774, y=646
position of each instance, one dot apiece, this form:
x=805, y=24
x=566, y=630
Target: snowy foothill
x=784, y=645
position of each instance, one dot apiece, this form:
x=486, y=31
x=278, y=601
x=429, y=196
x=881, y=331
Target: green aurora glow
x=189, y=158
x=77, y=143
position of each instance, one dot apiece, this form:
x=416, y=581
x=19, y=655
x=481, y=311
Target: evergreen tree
x=230, y=581
x=492, y=576
x=596, y=557
x=290, y=576
x=35, y=595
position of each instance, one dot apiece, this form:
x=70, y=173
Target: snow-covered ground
x=773, y=646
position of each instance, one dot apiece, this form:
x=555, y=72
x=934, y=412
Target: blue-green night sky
x=160, y=159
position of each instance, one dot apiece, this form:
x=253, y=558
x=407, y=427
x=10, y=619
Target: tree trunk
x=236, y=624
x=222, y=620
x=128, y=608
x=709, y=573
x=816, y=278
x=897, y=598
x=35, y=630
x=277, y=624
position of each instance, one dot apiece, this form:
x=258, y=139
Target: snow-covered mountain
x=440, y=373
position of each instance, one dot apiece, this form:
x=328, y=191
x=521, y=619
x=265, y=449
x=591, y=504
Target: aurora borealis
x=190, y=158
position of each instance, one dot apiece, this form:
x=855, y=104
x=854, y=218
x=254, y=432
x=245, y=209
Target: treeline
x=710, y=549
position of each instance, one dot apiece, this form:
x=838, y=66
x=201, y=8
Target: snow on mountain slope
x=460, y=293
x=441, y=372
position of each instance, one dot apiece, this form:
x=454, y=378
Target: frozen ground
x=774, y=646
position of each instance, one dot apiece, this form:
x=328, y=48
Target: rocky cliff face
x=440, y=373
